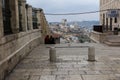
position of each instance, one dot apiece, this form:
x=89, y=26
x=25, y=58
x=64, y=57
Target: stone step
x=112, y=43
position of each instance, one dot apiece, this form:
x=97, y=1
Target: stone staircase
x=112, y=40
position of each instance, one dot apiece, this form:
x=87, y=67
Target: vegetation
x=83, y=38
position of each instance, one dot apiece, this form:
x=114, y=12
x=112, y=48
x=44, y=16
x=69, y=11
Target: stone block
x=69, y=77
x=47, y=77
x=34, y=78
x=17, y=46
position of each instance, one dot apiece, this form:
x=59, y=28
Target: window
x=115, y=19
x=107, y=24
x=20, y=16
x=111, y=20
x=34, y=14
x=6, y=17
x=103, y=19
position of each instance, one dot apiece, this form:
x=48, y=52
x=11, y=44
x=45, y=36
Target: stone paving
x=71, y=64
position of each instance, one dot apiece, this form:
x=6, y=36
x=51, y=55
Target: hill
x=85, y=23
x=80, y=23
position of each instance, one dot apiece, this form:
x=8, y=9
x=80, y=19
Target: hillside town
x=72, y=33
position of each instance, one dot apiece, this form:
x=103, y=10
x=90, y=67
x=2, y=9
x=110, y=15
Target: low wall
x=99, y=37
x=15, y=47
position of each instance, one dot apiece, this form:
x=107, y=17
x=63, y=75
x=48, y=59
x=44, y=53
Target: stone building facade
x=22, y=27
x=110, y=14
x=109, y=20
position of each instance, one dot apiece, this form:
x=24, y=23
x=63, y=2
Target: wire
x=76, y=13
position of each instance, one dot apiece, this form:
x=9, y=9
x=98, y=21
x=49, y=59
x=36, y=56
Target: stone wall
x=15, y=47
x=109, y=21
x=99, y=37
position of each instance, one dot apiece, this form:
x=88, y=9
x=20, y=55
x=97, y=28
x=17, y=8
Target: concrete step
x=113, y=40
x=112, y=43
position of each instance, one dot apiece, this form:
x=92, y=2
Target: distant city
x=87, y=24
x=75, y=31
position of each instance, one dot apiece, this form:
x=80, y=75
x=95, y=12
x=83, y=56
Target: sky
x=67, y=6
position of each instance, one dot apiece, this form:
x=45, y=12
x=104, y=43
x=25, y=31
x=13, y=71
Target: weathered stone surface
x=46, y=77
x=69, y=77
x=34, y=78
x=97, y=77
x=37, y=65
x=14, y=16
x=14, y=47
x=24, y=15
x=12, y=51
x=80, y=72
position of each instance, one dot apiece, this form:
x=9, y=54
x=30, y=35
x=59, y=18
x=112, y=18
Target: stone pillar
x=1, y=20
x=14, y=16
x=91, y=53
x=29, y=17
x=106, y=24
x=24, y=15
x=44, y=25
x=41, y=22
x=52, y=54
x=38, y=18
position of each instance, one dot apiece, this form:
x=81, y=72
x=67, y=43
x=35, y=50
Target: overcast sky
x=67, y=6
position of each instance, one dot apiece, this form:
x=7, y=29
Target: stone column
x=47, y=27
x=14, y=16
x=29, y=17
x=41, y=22
x=24, y=15
x=1, y=20
x=106, y=24
x=42, y=26
x=52, y=54
x=91, y=53
x=38, y=18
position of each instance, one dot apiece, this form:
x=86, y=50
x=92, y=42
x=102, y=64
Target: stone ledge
x=112, y=43
x=5, y=65
x=12, y=37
